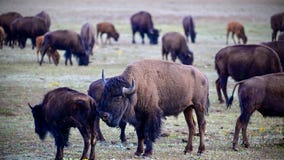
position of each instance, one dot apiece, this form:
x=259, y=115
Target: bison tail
x=230, y=100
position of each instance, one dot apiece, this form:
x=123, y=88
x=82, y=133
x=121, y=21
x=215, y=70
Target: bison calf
x=175, y=43
x=238, y=29
x=262, y=93
x=109, y=29
x=62, y=109
x=50, y=53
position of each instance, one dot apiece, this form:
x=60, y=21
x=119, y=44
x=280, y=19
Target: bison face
x=154, y=36
x=40, y=125
x=116, y=36
x=116, y=100
x=83, y=60
x=186, y=58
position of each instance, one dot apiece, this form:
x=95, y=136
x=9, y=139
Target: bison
x=45, y=16
x=277, y=46
x=142, y=22
x=54, y=55
x=109, y=29
x=238, y=29
x=5, y=21
x=2, y=37
x=149, y=90
x=61, y=109
x=88, y=38
x=67, y=40
x=262, y=93
x=277, y=24
x=95, y=91
x=243, y=62
x=189, y=28
x=281, y=36
x=175, y=43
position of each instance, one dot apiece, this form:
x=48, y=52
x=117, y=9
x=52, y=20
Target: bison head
x=83, y=59
x=186, y=58
x=245, y=39
x=40, y=125
x=116, y=36
x=153, y=36
x=116, y=100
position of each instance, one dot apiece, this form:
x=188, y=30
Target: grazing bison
x=54, y=55
x=28, y=27
x=109, y=29
x=148, y=90
x=142, y=22
x=95, y=91
x=243, y=62
x=175, y=43
x=2, y=37
x=262, y=93
x=66, y=40
x=277, y=24
x=5, y=21
x=189, y=29
x=45, y=16
x=238, y=29
x=281, y=36
x=62, y=109
x=277, y=46
x=88, y=38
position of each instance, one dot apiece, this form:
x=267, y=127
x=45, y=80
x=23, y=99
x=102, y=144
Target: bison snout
x=105, y=116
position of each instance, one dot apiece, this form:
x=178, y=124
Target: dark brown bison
x=238, y=29
x=277, y=24
x=277, y=46
x=45, y=16
x=50, y=53
x=142, y=22
x=2, y=37
x=281, y=36
x=67, y=40
x=88, y=38
x=148, y=90
x=189, y=28
x=28, y=27
x=5, y=21
x=243, y=62
x=175, y=43
x=109, y=29
x=262, y=93
x=95, y=91
x=61, y=109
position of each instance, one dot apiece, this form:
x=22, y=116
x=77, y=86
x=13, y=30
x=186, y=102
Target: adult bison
x=148, y=90
x=262, y=93
x=88, y=37
x=142, y=22
x=95, y=91
x=5, y=21
x=67, y=40
x=238, y=29
x=277, y=46
x=45, y=16
x=175, y=43
x=61, y=109
x=109, y=29
x=28, y=27
x=189, y=28
x=243, y=62
x=276, y=24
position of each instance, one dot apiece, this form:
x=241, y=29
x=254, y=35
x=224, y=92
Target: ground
x=23, y=81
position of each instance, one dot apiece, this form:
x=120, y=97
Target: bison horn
x=103, y=77
x=30, y=106
x=129, y=90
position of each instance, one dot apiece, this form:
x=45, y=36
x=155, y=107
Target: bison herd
x=149, y=90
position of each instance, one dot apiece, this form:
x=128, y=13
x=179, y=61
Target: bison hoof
x=201, y=149
x=187, y=150
x=235, y=147
x=147, y=154
x=246, y=144
x=137, y=153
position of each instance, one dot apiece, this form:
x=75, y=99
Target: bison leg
x=236, y=135
x=140, y=135
x=86, y=136
x=142, y=36
x=200, y=112
x=100, y=136
x=233, y=34
x=223, y=85
x=191, y=128
x=244, y=133
x=133, y=36
x=242, y=123
x=122, y=126
x=274, y=33
x=59, y=153
x=218, y=88
x=93, y=142
x=68, y=56
x=227, y=40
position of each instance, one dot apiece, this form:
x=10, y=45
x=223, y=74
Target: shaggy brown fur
x=88, y=37
x=109, y=29
x=264, y=94
x=54, y=54
x=277, y=46
x=277, y=24
x=238, y=29
x=45, y=16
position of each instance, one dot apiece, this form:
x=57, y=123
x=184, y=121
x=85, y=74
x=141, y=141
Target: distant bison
x=189, y=28
x=88, y=37
x=2, y=37
x=277, y=24
x=148, y=90
x=238, y=29
x=50, y=53
x=62, y=109
x=95, y=91
x=142, y=22
x=243, y=62
x=67, y=40
x=45, y=16
x=277, y=46
x=262, y=93
x=109, y=29
x=175, y=43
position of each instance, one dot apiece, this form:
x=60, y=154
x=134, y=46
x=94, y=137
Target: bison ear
x=129, y=90
x=30, y=106
x=103, y=77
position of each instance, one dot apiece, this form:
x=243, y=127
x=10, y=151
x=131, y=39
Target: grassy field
x=22, y=80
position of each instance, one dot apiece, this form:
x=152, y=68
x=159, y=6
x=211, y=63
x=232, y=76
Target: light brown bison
x=54, y=54
x=243, y=62
x=189, y=28
x=109, y=29
x=277, y=46
x=142, y=22
x=175, y=43
x=238, y=29
x=262, y=93
x=149, y=90
x=61, y=109
x=88, y=37
x=277, y=24
x=45, y=16
x=2, y=36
